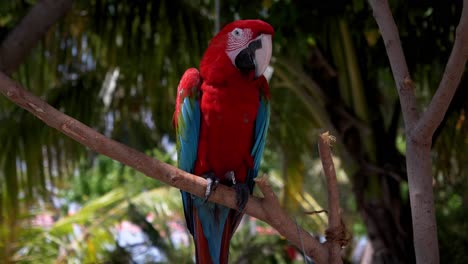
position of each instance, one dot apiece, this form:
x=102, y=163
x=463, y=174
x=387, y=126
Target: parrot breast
x=227, y=125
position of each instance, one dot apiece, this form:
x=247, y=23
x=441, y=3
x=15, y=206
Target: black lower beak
x=245, y=60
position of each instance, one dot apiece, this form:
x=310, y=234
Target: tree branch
x=336, y=233
x=389, y=32
x=266, y=209
x=29, y=31
x=419, y=132
x=435, y=113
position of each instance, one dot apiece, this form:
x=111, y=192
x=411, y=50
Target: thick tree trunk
x=419, y=163
x=420, y=129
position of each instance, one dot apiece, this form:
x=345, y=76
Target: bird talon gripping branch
x=212, y=183
x=230, y=176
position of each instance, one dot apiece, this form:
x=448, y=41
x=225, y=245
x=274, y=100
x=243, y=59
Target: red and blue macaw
x=221, y=118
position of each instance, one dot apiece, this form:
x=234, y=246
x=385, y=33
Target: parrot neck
x=221, y=78
x=218, y=70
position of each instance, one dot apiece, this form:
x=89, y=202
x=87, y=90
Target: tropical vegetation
x=114, y=65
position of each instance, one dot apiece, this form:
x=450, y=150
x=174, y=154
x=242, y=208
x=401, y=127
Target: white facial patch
x=237, y=40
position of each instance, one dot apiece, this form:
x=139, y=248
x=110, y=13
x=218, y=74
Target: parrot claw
x=231, y=177
x=242, y=195
x=242, y=190
x=212, y=183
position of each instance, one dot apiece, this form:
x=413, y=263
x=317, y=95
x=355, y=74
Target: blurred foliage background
x=114, y=65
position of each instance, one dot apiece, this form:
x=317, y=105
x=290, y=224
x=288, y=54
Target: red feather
x=189, y=84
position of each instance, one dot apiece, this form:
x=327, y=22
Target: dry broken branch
x=336, y=233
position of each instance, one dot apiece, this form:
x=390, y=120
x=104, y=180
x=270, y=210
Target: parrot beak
x=256, y=56
x=263, y=55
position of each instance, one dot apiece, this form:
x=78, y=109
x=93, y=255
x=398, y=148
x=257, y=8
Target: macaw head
x=242, y=47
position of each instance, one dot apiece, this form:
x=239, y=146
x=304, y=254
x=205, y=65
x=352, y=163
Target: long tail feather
x=202, y=250
x=212, y=245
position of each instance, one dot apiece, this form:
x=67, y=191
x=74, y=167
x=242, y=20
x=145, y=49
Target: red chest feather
x=227, y=128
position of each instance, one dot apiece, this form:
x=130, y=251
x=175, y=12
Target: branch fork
x=420, y=129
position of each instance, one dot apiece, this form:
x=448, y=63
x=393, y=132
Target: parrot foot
x=231, y=177
x=212, y=183
x=242, y=190
x=242, y=195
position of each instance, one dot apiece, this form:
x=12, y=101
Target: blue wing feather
x=188, y=130
x=261, y=128
x=188, y=134
x=188, y=145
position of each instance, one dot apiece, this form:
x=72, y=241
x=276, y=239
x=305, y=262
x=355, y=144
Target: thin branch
x=266, y=209
x=435, y=113
x=389, y=31
x=25, y=36
x=336, y=233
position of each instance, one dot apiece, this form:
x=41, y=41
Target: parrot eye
x=238, y=38
x=237, y=32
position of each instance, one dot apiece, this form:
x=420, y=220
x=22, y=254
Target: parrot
x=221, y=120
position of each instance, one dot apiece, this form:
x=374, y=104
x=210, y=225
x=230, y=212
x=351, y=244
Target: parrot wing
x=261, y=127
x=187, y=123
